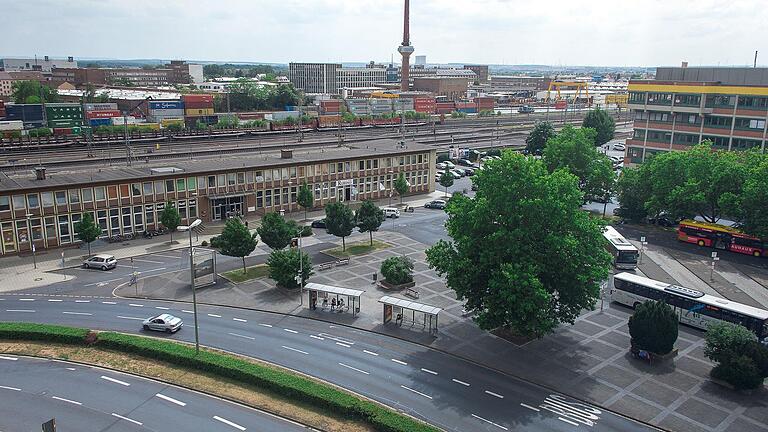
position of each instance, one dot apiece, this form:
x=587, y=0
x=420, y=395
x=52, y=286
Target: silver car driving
x=163, y=322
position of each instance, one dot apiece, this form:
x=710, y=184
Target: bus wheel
x=634, y=306
x=700, y=243
x=756, y=253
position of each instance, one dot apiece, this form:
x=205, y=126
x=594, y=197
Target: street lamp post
x=29, y=237
x=190, y=228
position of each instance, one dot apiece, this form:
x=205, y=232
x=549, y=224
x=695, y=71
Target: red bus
x=720, y=237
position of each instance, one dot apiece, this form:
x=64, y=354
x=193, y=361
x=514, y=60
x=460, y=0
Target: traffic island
x=253, y=272
x=359, y=248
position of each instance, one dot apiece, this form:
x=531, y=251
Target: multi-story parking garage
x=129, y=200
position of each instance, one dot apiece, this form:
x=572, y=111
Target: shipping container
x=169, y=121
x=63, y=111
x=250, y=116
x=64, y=123
x=282, y=115
x=96, y=122
x=198, y=105
x=100, y=106
x=158, y=115
x=24, y=112
x=62, y=131
x=166, y=105
x=120, y=121
x=194, y=112
x=197, y=98
x=150, y=125
x=11, y=125
x=485, y=103
x=103, y=114
x=467, y=110
x=561, y=104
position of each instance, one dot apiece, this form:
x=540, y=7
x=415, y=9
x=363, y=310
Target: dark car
x=662, y=220
x=469, y=172
x=465, y=162
x=320, y=223
x=436, y=204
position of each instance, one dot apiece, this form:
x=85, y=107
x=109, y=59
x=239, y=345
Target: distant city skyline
x=504, y=32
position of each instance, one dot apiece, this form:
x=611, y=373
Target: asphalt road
x=83, y=398
x=446, y=391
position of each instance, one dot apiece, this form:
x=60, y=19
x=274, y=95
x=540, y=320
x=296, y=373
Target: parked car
x=457, y=174
x=526, y=109
x=465, y=162
x=319, y=223
x=619, y=147
x=441, y=165
x=663, y=219
x=436, y=204
x=164, y=323
x=469, y=172
x=101, y=261
x=391, y=212
x=616, y=159
x=449, y=165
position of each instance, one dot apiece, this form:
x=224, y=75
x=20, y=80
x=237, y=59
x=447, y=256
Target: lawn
x=253, y=272
x=359, y=248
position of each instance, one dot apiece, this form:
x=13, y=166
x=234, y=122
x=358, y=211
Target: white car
x=440, y=165
x=619, y=147
x=616, y=159
x=163, y=322
x=457, y=174
x=101, y=261
x=449, y=164
x=391, y=212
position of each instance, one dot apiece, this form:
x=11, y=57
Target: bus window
x=627, y=257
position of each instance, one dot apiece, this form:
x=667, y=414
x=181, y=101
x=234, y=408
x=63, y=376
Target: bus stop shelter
x=325, y=291
x=399, y=305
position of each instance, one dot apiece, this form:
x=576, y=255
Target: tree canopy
x=401, y=186
x=246, y=95
x=30, y=92
x=573, y=150
x=538, y=137
x=339, y=221
x=602, y=123
x=87, y=230
x=654, y=327
x=522, y=254
x=275, y=231
x=236, y=240
x=305, y=198
x=446, y=180
x=285, y=265
x=170, y=217
x=369, y=218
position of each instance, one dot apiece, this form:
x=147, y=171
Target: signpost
x=642, y=248
x=715, y=258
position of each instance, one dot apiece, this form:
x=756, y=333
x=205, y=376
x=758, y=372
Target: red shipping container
x=103, y=114
x=198, y=105
x=250, y=116
x=196, y=98
x=62, y=131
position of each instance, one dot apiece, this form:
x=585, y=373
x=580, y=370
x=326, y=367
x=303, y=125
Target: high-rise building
x=360, y=77
x=314, y=77
x=421, y=60
x=684, y=106
x=405, y=49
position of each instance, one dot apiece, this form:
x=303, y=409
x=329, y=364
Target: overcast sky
x=553, y=32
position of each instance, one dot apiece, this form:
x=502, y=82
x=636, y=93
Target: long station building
x=42, y=207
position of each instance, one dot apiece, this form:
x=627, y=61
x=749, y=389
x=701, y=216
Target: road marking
x=494, y=394
x=294, y=349
x=166, y=256
x=103, y=282
x=153, y=270
x=161, y=307
x=70, y=369
x=135, y=305
x=26, y=299
x=290, y=331
x=8, y=358
x=186, y=311
x=529, y=407
x=354, y=368
x=66, y=400
x=128, y=419
x=82, y=301
x=568, y=421
x=399, y=362
x=130, y=318
x=110, y=303
x=55, y=300
x=316, y=337
x=227, y=422
x=242, y=336
x=148, y=261
x=214, y=315
x=417, y=392
x=116, y=381
x=429, y=371
x=171, y=400
x=265, y=325
x=334, y=338
x=489, y=422
x=9, y=388
x=239, y=320
x=344, y=345
x=77, y=313
x=371, y=353
x=460, y=382
x=20, y=310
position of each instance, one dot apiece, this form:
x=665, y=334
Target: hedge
x=284, y=383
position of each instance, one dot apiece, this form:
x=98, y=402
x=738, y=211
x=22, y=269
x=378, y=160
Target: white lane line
x=82, y=301
x=9, y=388
x=171, y=400
x=399, y=362
x=316, y=337
x=166, y=256
x=20, y=310
x=110, y=303
x=494, y=394
x=242, y=336
x=568, y=421
x=344, y=345
x=128, y=419
x=26, y=299
x=161, y=307
x=354, y=368
x=8, y=358
x=135, y=305
x=371, y=353
x=429, y=371
x=290, y=331
x=227, y=422
x=70, y=369
x=294, y=349
x=214, y=315
x=465, y=384
x=417, y=392
x=148, y=261
x=66, y=400
x=529, y=407
x=239, y=320
x=265, y=325
x=187, y=311
x=489, y=422
x=77, y=313
x=130, y=318
x=116, y=381
x=55, y=300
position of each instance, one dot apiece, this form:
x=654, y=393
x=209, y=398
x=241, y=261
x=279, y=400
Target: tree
x=87, y=230
x=754, y=199
x=742, y=360
x=369, y=218
x=573, y=149
x=522, y=254
x=602, y=123
x=28, y=91
x=285, y=265
x=170, y=218
x=275, y=231
x=446, y=180
x=339, y=221
x=401, y=186
x=653, y=327
x=538, y=137
x=601, y=180
x=305, y=198
x=724, y=340
x=633, y=191
x=236, y=240
x=397, y=270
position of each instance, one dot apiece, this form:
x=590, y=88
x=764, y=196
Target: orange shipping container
x=191, y=112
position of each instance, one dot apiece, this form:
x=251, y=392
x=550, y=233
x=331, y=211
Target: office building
x=420, y=60
x=45, y=64
x=449, y=87
x=314, y=77
x=350, y=77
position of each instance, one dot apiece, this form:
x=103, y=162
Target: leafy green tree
x=538, y=137
x=236, y=240
x=305, y=198
x=601, y=180
x=446, y=180
x=754, y=199
x=401, y=186
x=633, y=191
x=654, y=327
x=28, y=91
x=339, y=221
x=522, y=253
x=369, y=218
x=87, y=230
x=740, y=371
x=397, y=270
x=724, y=340
x=742, y=360
x=285, y=265
x=573, y=149
x=602, y=123
x=275, y=231
x=170, y=218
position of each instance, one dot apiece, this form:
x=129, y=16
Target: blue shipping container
x=163, y=105
x=101, y=122
x=24, y=112
x=467, y=110
x=291, y=108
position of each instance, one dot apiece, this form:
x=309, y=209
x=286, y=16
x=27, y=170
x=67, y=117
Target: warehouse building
x=41, y=208
x=684, y=106
x=448, y=87
x=45, y=64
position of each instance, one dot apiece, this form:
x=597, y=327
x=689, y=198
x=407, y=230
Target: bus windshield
x=628, y=257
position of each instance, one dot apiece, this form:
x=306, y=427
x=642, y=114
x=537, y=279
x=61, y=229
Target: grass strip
x=359, y=248
x=253, y=272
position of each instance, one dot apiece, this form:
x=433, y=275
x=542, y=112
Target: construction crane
x=558, y=84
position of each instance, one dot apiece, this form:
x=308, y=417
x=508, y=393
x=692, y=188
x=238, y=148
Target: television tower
x=405, y=49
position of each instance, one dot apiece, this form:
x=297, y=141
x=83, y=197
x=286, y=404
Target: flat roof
x=11, y=182
x=333, y=289
x=410, y=305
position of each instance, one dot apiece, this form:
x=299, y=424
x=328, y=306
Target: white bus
x=624, y=253
x=692, y=307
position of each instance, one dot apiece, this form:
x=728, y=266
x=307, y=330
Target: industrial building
x=46, y=64
x=351, y=77
x=480, y=70
x=450, y=88
x=314, y=77
x=684, y=106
